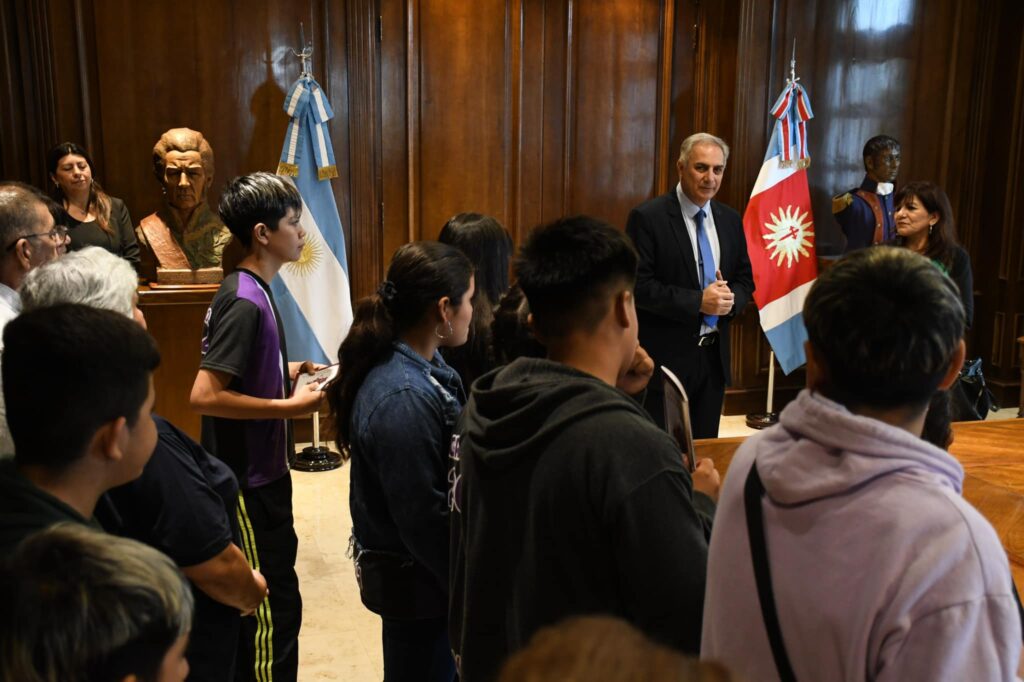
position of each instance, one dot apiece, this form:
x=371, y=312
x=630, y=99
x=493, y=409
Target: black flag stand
x=762, y=420
x=316, y=457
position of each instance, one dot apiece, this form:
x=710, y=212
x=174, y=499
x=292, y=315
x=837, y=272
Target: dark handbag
x=394, y=585
x=971, y=398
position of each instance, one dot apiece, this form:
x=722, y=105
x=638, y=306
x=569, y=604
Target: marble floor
x=340, y=639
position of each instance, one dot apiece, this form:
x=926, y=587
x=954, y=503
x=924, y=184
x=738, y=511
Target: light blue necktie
x=707, y=261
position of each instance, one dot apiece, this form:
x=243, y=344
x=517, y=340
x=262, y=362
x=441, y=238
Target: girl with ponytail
x=395, y=404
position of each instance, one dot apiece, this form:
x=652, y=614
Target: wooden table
x=992, y=454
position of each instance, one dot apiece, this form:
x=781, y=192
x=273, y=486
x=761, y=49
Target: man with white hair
x=694, y=277
x=183, y=503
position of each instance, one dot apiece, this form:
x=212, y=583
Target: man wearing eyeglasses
x=30, y=237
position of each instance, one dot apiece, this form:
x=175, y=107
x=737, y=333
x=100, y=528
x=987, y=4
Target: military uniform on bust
x=866, y=214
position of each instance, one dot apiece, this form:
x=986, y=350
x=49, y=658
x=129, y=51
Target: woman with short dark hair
x=924, y=224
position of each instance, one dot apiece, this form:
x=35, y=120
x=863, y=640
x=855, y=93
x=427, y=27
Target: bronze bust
x=184, y=241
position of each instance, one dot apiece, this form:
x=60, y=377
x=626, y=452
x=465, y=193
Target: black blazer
x=668, y=289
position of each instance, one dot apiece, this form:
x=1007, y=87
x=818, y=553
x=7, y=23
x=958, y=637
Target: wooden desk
x=992, y=454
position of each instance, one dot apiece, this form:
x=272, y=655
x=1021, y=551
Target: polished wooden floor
x=992, y=454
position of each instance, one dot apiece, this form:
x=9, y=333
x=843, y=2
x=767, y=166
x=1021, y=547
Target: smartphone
x=677, y=416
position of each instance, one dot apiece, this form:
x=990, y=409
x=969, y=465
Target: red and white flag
x=779, y=227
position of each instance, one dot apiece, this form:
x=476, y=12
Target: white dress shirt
x=689, y=210
x=10, y=308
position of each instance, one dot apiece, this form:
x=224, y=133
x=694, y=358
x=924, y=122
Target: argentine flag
x=312, y=294
x=779, y=227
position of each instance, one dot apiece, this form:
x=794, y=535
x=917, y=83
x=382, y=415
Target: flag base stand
x=762, y=420
x=316, y=457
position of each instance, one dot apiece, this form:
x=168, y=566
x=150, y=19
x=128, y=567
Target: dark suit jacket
x=668, y=289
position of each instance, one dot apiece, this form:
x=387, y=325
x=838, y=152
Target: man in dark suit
x=694, y=277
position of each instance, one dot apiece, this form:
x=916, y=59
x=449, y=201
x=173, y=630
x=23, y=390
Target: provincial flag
x=779, y=227
x=312, y=294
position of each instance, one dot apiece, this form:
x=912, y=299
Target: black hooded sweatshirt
x=568, y=500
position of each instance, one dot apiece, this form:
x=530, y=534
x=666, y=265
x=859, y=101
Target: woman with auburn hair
x=395, y=404
x=924, y=224
x=94, y=217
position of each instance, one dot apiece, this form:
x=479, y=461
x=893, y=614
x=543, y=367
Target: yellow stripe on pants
x=264, y=643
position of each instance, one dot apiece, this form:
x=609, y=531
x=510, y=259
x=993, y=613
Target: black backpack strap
x=753, y=491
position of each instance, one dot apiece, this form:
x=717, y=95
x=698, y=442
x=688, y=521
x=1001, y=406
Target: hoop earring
x=451, y=332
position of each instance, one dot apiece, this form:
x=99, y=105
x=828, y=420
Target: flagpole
x=762, y=420
x=315, y=457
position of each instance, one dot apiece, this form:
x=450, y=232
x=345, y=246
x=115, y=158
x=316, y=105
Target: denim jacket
x=402, y=422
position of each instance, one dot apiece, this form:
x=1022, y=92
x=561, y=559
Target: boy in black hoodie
x=566, y=498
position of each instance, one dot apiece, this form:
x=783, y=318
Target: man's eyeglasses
x=58, y=234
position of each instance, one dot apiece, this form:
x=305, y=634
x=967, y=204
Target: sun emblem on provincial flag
x=309, y=261
x=788, y=235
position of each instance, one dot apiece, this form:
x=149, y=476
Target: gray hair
x=93, y=277
x=702, y=138
x=18, y=204
x=84, y=605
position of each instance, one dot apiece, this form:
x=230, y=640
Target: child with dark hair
x=83, y=606
x=863, y=540
x=243, y=390
x=488, y=246
x=566, y=498
x=97, y=435
x=511, y=336
x=395, y=404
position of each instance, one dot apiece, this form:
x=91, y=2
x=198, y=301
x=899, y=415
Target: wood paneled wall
x=533, y=109
x=523, y=110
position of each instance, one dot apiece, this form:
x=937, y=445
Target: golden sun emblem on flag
x=309, y=261
x=788, y=235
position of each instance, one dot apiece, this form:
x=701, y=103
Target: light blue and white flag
x=312, y=294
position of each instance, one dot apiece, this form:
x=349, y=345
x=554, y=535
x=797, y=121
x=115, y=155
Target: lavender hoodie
x=881, y=570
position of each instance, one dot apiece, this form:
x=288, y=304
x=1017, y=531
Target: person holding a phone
x=566, y=498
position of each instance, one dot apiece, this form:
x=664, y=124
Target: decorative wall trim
x=366, y=268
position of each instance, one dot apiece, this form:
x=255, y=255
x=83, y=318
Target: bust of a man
x=866, y=214
x=184, y=234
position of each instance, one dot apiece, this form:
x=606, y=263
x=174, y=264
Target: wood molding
x=512, y=133
x=666, y=62
x=412, y=116
x=366, y=263
x=569, y=133
x=1015, y=167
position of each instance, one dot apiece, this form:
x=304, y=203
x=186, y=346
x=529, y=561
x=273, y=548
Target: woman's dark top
x=122, y=240
x=960, y=272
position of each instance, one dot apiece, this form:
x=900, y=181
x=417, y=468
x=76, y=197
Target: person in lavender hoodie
x=879, y=569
